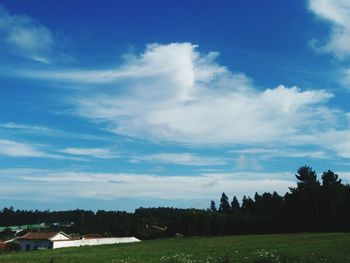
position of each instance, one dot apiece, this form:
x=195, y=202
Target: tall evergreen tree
x=329, y=178
x=235, y=204
x=212, y=205
x=307, y=194
x=247, y=204
x=224, y=204
x=307, y=178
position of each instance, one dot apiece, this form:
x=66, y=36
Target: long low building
x=52, y=240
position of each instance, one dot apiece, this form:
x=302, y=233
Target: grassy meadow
x=332, y=247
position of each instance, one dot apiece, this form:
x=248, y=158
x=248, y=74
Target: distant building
x=41, y=240
x=52, y=240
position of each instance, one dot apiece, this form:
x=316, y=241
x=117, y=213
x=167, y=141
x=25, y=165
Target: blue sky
x=116, y=105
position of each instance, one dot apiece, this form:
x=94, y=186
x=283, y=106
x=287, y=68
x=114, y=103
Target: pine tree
x=224, y=204
x=235, y=204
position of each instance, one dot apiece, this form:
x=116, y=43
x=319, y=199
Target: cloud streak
x=189, y=159
x=17, y=149
x=100, y=153
x=72, y=184
x=26, y=36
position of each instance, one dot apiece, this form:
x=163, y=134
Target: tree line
x=311, y=206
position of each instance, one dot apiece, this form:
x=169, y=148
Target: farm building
x=46, y=240
x=41, y=240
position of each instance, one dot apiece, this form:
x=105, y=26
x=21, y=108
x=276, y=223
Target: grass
x=287, y=248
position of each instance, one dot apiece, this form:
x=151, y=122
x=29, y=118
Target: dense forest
x=311, y=206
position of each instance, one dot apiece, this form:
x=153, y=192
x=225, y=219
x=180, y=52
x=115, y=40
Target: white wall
x=59, y=236
x=94, y=241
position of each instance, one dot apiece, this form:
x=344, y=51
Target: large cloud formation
x=174, y=93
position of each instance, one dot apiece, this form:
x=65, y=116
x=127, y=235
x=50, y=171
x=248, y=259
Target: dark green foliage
x=329, y=179
x=235, y=205
x=224, y=204
x=212, y=206
x=307, y=178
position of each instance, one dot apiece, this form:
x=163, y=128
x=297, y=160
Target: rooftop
x=39, y=235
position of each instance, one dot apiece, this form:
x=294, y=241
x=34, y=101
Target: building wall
x=59, y=236
x=27, y=245
x=94, y=241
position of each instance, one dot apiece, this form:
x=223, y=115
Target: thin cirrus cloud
x=46, y=131
x=180, y=159
x=275, y=152
x=100, y=153
x=123, y=185
x=17, y=149
x=25, y=36
x=174, y=93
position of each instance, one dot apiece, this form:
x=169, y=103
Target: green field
x=259, y=249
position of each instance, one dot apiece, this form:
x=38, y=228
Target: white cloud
x=154, y=63
x=22, y=150
x=46, y=131
x=337, y=141
x=194, y=100
x=345, y=78
x=276, y=152
x=26, y=36
x=174, y=93
x=337, y=12
x=12, y=125
x=17, y=149
x=93, y=152
x=71, y=184
x=181, y=159
x=243, y=162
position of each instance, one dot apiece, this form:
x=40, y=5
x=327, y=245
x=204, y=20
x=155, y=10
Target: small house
x=41, y=240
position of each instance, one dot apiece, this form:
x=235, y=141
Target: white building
x=41, y=240
x=45, y=240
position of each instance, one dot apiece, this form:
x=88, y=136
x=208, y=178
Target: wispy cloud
x=154, y=63
x=276, y=152
x=337, y=12
x=243, y=162
x=17, y=149
x=26, y=36
x=91, y=152
x=46, y=131
x=12, y=125
x=123, y=185
x=180, y=159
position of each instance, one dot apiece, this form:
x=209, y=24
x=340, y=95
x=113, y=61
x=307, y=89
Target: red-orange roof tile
x=39, y=235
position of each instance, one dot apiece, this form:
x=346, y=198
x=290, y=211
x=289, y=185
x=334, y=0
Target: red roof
x=39, y=235
x=2, y=245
